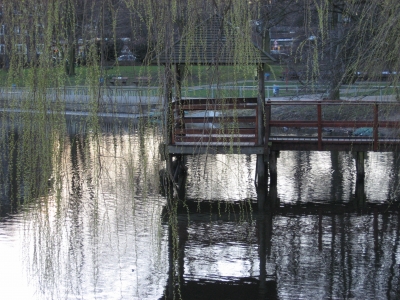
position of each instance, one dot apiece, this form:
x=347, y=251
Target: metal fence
x=290, y=91
x=128, y=94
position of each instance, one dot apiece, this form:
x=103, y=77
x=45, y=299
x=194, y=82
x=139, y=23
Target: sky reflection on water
x=106, y=238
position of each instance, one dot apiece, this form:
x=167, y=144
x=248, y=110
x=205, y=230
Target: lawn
x=197, y=81
x=191, y=75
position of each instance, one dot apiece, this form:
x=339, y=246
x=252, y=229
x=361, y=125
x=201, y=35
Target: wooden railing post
x=174, y=107
x=262, y=159
x=256, y=127
x=167, y=105
x=375, y=129
x=319, y=113
x=177, y=106
x=260, y=105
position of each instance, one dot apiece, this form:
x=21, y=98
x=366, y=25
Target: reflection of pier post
x=177, y=238
x=262, y=251
x=375, y=226
x=170, y=292
x=183, y=236
x=320, y=229
x=179, y=287
x=265, y=226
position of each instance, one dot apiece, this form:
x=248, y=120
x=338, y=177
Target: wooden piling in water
x=262, y=160
x=360, y=156
x=273, y=169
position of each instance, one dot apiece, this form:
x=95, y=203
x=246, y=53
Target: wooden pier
x=231, y=126
x=247, y=125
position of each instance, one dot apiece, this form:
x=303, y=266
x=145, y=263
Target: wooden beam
x=196, y=149
x=206, y=131
x=217, y=120
x=190, y=101
x=213, y=106
x=213, y=139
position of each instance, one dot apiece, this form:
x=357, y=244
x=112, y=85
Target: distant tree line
x=347, y=36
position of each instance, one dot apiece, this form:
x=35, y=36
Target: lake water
x=104, y=232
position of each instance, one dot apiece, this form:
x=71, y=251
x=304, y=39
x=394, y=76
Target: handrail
x=320, y=124
x=216, y=117
x=80, y=91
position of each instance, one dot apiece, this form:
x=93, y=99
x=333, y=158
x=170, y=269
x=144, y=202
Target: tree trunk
x=70, y=62
x=335, y=52
x=334, y=93
x=266, y=40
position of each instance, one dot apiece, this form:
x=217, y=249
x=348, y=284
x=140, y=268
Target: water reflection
x=106, y=232
x=220, y=254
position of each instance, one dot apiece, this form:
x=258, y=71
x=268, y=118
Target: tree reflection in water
x=107, y=233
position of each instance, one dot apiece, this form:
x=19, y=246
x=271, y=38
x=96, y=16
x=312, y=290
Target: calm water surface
x=106, y=236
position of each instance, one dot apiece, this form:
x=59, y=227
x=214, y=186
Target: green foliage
x=54, y=45
x=58, y=57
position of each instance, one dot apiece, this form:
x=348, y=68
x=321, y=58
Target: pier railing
x=81, y=98
x=365, y=129
x=76, y=91
x=353, y=125
x=227, y=121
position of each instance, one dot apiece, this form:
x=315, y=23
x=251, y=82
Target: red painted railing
x=234, y=121
x=321, y=124
x=218, y=121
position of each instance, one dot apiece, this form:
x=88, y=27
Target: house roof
x=214, y=41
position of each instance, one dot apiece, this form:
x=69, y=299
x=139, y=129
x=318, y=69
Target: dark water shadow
x=204, y=213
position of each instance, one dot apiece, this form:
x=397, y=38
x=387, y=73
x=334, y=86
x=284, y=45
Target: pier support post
x=273, y=197
x=180, y=175
x=170, y=172
x=174, y=175
x=262, y=160
x=360, y=156
x=360, y=195
x=273, y=172
x=262, y=182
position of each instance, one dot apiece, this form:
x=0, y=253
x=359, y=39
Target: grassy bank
x=191, y=75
